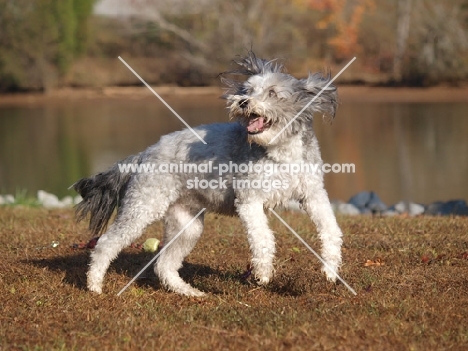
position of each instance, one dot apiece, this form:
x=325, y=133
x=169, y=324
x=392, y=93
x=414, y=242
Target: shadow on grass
x=129, y=264
x=75, y=267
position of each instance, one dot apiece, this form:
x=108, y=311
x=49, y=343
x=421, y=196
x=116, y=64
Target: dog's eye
x=272, y=93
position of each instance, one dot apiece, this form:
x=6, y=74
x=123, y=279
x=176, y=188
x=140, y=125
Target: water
x=414, y=151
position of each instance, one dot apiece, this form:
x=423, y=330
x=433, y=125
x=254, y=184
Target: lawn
x=410, y=274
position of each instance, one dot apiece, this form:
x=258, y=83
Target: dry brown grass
x=412, y=294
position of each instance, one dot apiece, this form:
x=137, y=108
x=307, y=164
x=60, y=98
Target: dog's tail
x=101, y=194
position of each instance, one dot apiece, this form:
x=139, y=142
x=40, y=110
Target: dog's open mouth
x=257, y=124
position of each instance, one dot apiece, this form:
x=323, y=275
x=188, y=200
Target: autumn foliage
x=343, y=18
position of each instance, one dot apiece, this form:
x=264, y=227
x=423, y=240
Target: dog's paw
x=262, y=280
x=331, y=273
x=185, y=289
x=95, y=289
x=189, y=291
x=196, y=293
x=263, y=274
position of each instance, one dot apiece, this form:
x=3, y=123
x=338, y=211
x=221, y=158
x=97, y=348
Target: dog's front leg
x=261, y=240
x=318, y=207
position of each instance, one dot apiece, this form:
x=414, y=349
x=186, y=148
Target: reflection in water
x=413, y=151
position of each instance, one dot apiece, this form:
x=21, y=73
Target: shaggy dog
x=227, y=175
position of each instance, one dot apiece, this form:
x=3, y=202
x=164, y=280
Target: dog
x=264, y=103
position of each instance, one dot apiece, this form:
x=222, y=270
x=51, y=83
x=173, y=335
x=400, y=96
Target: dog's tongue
x=255, y=125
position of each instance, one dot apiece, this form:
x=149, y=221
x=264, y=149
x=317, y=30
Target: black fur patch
x=101, y=195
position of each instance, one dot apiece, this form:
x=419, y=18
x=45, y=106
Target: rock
x=413, y=209
x=49, y=200
x=367, y=201
x=8, y=199
x=435, y=208
x=360, y=200
x=390, y=213
x=453, y=207
x=417, y=209
x=67, y=201
x=77, y=199
x=347, y=209
x=334, y=204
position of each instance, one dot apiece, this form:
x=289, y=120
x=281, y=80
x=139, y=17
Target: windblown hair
x=305, y=89
x=327, y=102
x=252, y=65
x=249, y=65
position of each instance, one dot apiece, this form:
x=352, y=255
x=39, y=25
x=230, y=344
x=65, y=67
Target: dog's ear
x=327, y=100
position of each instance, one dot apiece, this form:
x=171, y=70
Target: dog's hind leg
x=261, y=240
x=135, y=214
x=170, y=261
x=318, y=207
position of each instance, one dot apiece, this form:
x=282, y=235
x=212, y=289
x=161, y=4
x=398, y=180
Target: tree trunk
x=402, y=33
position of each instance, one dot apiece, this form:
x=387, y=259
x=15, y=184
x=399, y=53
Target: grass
x=411, y=276
x=22, y=198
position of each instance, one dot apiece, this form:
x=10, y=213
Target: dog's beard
x=262, y=139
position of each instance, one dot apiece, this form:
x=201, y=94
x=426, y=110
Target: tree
x=437, y=43
x=39, y=40
x=209, y=31
x=402, y=34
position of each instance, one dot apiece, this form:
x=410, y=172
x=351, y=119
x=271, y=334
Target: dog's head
x=273, y=105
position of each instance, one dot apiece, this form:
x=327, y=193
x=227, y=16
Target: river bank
x=364, y=202
x=347, y=94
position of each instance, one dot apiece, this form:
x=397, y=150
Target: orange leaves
x=425, y=259
x=323, y=5
x=374, y=263
x=89, y=245
x=428, y=259
x=345, y=17
x=463, y=256
x=443, y=258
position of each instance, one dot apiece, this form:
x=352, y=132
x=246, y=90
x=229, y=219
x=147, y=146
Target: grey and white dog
x=261, y=105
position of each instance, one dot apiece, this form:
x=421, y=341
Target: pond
x=413, y=151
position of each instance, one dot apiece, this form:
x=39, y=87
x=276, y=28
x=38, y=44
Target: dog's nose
x=243, y=103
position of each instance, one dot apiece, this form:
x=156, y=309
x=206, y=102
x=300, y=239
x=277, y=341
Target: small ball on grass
x=151, y=245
